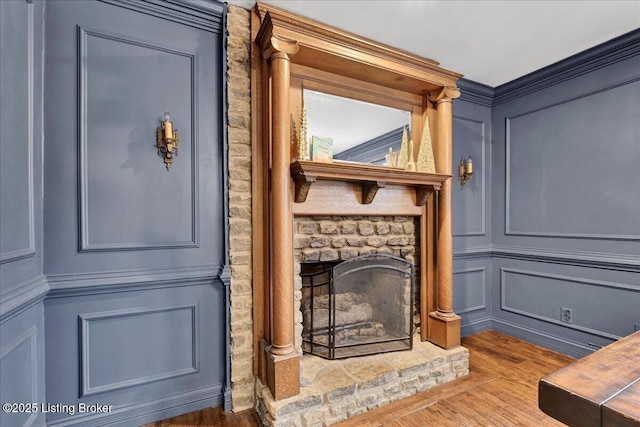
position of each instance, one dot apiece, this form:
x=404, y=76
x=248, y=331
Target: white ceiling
x=490, y=42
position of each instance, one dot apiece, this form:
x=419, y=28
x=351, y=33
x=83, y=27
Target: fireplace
x=291, y=54
x=358, y=307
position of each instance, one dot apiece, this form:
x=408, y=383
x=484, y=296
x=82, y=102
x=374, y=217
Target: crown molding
x=476, y=93
x=603, y=55
x=203, y=14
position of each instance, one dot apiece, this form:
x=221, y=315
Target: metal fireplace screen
x=358, y=307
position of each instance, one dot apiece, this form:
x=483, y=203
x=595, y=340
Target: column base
x=444, y=331
x=283, y=374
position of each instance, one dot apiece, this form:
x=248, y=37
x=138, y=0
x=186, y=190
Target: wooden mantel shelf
x=370, y=177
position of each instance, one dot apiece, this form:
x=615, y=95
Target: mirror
x=360, y=131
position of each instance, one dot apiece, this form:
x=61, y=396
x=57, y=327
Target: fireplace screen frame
x=324, y=276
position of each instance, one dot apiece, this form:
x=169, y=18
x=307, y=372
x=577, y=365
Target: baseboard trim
x=476, y=327
x=552, y=342
x=151, y=411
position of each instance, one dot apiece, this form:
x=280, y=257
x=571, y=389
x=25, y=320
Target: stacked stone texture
x=360, y=387
x=239, y=139
x=339, y=238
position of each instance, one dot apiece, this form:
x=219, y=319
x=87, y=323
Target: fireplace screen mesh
x=358, y=307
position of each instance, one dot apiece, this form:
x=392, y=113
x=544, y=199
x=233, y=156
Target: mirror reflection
x=355, y=130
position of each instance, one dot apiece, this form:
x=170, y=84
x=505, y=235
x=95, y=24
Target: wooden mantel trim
x=370, y=177
x=322, y=45
x=281, y=358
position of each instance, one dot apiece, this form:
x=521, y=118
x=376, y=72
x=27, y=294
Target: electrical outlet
x=566, y=315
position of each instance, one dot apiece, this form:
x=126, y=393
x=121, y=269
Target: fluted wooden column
x=444, y=324
x=282, y=359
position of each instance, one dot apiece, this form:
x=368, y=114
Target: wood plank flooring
x=501, y=390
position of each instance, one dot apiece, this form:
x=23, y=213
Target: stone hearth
x=335, y=390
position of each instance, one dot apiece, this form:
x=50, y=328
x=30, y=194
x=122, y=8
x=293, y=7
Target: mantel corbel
x=423, y=193
x=302, y=185
x=369, y=190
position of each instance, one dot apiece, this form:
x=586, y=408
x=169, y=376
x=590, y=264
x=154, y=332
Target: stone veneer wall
x=239, y=140
x=334, y=238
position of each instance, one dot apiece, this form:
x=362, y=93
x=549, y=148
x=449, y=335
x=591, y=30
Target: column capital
x=447, y=94
x=271, y=42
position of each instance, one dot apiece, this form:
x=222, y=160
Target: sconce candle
x=167, y=141
x=168, y=126
x=465, y=171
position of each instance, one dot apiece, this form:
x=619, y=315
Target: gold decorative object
x=411, y=164
x=403, y=156
x=426, y=162
x=167, y=141
x=465, y=171
x=303, y=146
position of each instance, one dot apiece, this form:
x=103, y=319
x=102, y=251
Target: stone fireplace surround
x=335, y=390
x=339, y=238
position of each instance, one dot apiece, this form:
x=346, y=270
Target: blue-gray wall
x=472, y=208
x=565, y=201
x=22, y=284
x=132, y=259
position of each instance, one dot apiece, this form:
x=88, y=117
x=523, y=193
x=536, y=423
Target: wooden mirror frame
x=290, y=52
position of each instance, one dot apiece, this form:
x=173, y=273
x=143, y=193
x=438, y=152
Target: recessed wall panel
x=129, y=348
x=606, y=309
x=469, y=290
x=469, y=202
x=18, y=376
x=16, y=143
x=572, y=167
x=129, y=200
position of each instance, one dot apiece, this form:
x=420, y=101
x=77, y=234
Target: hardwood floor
x=501, y=390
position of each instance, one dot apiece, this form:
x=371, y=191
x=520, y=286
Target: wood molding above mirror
x=291, y=53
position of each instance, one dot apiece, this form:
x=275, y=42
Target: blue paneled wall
x=564, y=205
x=114, y=276
x=22, y=284
x=113, y=271
x=472, y=208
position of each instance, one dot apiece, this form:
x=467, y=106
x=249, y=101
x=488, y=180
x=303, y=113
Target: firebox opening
x=357, y=307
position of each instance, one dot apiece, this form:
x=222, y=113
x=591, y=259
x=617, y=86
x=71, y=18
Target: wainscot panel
x=603, y=303
x=136, y=254
x=472, y=293
x=22, y=368
x=135, y=349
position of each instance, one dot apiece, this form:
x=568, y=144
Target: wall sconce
x=167, y=140
x=465, y=171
